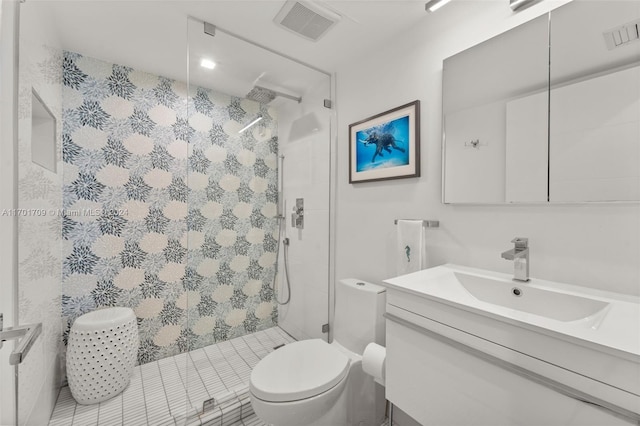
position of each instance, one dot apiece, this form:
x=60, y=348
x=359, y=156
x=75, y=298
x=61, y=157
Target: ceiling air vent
x=307, y=19
x=622, y=35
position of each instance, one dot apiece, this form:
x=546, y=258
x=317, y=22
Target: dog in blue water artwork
x=384, y=145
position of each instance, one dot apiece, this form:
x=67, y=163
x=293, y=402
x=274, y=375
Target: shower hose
x=285, y=250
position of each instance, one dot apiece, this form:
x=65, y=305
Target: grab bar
x=28, y=335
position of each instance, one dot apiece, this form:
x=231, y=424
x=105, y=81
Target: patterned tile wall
x=168, y=209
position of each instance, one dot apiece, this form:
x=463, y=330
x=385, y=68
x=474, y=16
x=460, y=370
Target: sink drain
x=516, y=291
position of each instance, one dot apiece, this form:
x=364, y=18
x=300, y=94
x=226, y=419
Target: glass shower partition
x=37, y=253
x=259, y=138
x=100, y=212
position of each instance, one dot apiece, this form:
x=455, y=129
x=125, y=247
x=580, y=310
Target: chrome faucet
x=520, y=256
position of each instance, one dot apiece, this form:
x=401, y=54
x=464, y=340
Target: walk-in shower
x=159, y=203
x=245, y=254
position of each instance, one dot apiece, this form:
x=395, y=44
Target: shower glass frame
x=234, y=179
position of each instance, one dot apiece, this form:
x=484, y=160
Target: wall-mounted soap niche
x=43, y=134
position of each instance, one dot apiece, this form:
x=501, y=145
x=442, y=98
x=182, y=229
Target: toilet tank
x=358, y=318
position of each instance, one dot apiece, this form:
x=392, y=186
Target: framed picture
x=386, y=146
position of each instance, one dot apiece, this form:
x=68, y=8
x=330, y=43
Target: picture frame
x=386, y=145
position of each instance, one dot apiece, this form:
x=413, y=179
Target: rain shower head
x=264, y=95
x=261, y=94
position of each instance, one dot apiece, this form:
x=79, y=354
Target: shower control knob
x=297, y=217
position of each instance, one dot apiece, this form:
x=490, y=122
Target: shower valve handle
x=297, y=217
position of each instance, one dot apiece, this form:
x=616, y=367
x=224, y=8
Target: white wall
x=306, y=175
x=595, y=245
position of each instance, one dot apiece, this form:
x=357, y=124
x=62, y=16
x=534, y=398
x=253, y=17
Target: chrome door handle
x=27, y=334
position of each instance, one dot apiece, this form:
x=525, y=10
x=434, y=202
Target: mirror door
x=495, y=108
x=547, y=112
x=594, y=135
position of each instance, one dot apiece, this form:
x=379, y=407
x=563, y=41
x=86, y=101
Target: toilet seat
x=299, y=370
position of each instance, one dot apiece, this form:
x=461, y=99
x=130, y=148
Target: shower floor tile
x=157, y=394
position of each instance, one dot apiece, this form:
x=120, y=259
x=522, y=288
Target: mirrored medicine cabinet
x=548, y=112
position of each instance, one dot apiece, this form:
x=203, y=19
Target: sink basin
x=591, y=316
x=587, y=339
x=538, y=301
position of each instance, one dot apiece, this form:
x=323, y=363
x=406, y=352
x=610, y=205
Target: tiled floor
x=164, y=392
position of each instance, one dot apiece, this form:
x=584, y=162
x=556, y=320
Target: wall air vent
x=306, y=18
x=622, y=35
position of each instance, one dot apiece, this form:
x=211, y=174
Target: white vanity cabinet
x=447, y=365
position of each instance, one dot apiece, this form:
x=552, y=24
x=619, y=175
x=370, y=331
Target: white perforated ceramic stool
x=101, y=354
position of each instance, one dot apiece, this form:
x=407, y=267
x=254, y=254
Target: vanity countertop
x=599, y=319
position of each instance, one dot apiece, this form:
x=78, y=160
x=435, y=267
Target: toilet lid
x=298, y=370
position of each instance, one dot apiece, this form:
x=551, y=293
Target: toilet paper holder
x=373, y=362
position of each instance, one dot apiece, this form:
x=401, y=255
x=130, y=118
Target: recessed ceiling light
x=208, y=64
x=434, y=5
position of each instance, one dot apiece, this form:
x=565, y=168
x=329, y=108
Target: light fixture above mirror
x=521, y=4
x=434, y=5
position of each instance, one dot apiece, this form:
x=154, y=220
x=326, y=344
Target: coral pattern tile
x=171, y=391
x=168, y=209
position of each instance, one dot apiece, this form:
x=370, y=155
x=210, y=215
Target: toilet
x=312, y=382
